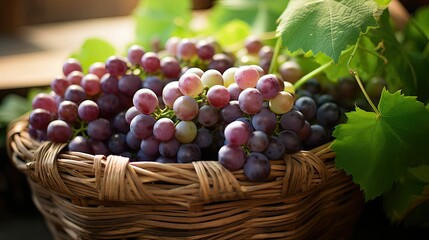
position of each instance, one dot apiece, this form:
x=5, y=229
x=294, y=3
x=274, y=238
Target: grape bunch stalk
x=188, y=103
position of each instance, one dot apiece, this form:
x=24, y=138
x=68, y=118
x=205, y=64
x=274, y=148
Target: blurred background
x=35, y=36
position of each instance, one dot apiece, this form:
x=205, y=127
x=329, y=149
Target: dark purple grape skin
x=109, y=84
x=265, y=121
x=116, y=66
x=170, y=67
x=276, y=148
x=328, y=114
x=169, y=148
x=59, y=131
x=129, y=84
x=220, y=62
x=40, y=118
x=99, y=129
x=143, y=157
x=258, y=141
x=117, y=143
x=257, y=166
x=109, y=105
x=99, y=147
x=150, y=145
x=120, y=124
x=188, y=153
x=307, y=106
x=75, y=93
x=291, y=141
x=88, y=110
x=292, y=120
x=318, y=136
x=68, y=111
x=164, y=159
x=142, y=126
x=232, y=157
x=80, y=144
x=204, y=138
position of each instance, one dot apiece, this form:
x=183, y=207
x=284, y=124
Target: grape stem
x=355, y=74
x=311, y=74
x=273, y=65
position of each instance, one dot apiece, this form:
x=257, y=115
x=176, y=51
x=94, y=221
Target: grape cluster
x=186, y=103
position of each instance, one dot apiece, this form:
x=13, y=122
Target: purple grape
x=232, y=157
x=68, y=111
x=116, y=66
x=129, y=84
x=120, y=125
x=318, y=136
x=328, y=114
x=205, y=50
x=292, y=120
x=142, y=126
x=155, y=84
x=109, y=84
x=80, y=144
x=250, y=101
x=164, y=159
x=99, y=147
x=40, y=118
x=88, y=110
x=188, y=153
x=135, y=53
x=130, y=114
x=220, y=62
x=164, y=129
x=70, y=65
x=99, y=129
x=275, y=149
x=170, y=67
x=169, y=148
x=45, y=101
x=265, y=121
x=75, y=93
x=59, y=131
x=291, y=141
x=257, y=167
x=150, y=145
x=204, y=138
x=208, y=115
x=237, y=133
x=258, y=141
x=109, y=105
x=132, y=141
x=268, y=86
x=307, y=106
x=150, y=62
x=59, y=85
x=117, y=143
x=231, y=111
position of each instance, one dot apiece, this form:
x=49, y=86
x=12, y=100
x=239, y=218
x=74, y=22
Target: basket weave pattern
x=84, y=196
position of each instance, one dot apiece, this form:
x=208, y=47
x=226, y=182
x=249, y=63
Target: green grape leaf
x=326, y=26
x=160, y=19
x=260, y=15
x=93, y=50
x=409, y=192
x=232, y=33
x=382, y=3
x=416, y=31
x=364, y=61
x=399, y=70
x=376, y=149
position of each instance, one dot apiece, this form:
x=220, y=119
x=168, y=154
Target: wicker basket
x=83, y=196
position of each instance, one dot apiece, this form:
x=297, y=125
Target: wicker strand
x=45, y=167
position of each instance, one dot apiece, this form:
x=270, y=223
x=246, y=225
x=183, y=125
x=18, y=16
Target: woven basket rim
x=79, y=175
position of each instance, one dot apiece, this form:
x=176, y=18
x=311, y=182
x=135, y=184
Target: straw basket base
x=82, y=196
